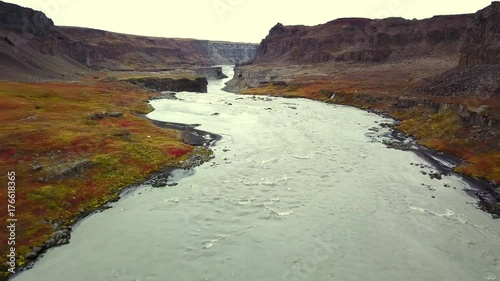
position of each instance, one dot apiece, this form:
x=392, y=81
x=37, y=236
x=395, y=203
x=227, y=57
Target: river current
x=298, y=190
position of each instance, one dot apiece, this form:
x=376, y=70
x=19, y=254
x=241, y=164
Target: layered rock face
x=482, y=45
x=230, y=53
x=364, y=40
x=99, y=49
x=24, y=20
x=20, y=30
x=167, y=84
x=339, y=48
x=210, y=72
x=31, y=46
x=477, y=73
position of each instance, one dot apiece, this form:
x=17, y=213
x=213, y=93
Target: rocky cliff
x=364, y=40
x=482, y=45
x=20, y=19
x=438, y=76
x=214, y=72
x=230, y=53
x=99, y=49
x=20, y=59
x=32, y=47
x=477, y=73
x=354, y=51
x=168, y=84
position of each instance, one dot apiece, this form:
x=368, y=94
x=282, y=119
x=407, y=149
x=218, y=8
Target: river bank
x=74, y=148
x=443, y=164
x=294, y=165
x=164, y=177
x=442, y=130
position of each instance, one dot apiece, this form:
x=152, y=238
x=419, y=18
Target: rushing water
x=299, y=190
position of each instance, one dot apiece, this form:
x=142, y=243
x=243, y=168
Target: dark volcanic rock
x=24, y=20
x=168, y=84
x=115, y=114
x=482, y=45
x=477, y=80
x=364, y=40
x=230, y=53
x=211, y=72
x=102, y=115
x=69, y=169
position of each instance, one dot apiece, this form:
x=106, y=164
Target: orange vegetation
x=67, y=162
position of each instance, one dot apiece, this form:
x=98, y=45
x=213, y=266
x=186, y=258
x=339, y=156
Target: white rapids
x=298, y=191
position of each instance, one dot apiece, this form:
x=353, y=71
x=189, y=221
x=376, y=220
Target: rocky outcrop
x=477, y=73
x=244, y=79
x=472, y=39
x=198, y=85
x=102, y=115
x=364, y=40
x=482, y=45
x=20, y=58
x=470, y=115
x=210, y=72
x=69, y=169
x=25, y=21
x=99, y=49
x=230, y=53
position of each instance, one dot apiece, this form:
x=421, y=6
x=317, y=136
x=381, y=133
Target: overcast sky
x=231, y=20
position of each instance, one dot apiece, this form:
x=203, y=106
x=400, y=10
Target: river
x=299, y=190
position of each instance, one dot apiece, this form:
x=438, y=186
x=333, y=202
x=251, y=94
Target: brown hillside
x=33, y=48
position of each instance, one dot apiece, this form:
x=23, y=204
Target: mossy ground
x=50, y=126
x=445, y=131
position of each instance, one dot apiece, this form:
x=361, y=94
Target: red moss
x=59, y=133
x=178, y=152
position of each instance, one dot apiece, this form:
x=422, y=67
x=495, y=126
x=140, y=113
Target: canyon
x=438, y=76
x=75, y=104
x=72, y=103
x=34, y=49
x=298, y=190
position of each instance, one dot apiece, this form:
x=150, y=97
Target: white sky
x=231, y=20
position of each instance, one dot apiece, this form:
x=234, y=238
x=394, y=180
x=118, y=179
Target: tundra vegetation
x=74, y=147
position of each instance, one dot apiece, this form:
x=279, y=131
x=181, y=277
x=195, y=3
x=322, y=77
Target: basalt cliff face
x=230, y=53
x=24, y=20
x=364, y=40
x=32, y=46
x=177, y=85
x=482, y=45
x=21, y=30
x=478, y=70
x=426, y=55
x=416, y=48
